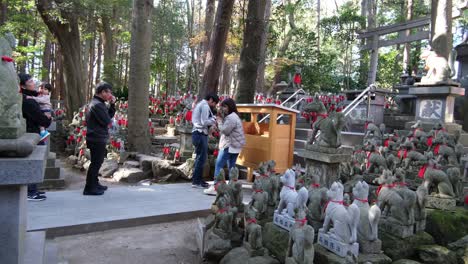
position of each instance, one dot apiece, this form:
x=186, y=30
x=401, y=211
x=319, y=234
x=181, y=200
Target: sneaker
x=44, y=134
x=36, y=197
x=200, y=185
x=210, y=191
x=101, y=187
x=93, y=192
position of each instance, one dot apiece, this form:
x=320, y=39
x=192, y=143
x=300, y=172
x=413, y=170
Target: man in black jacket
x=98, y=118
x=35, y=118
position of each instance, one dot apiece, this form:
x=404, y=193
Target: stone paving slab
x=69, y=212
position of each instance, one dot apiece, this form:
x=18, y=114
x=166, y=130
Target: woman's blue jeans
x=225, y=157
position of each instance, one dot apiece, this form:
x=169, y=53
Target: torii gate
x=373, y=41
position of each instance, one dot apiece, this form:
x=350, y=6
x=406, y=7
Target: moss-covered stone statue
x=329, y=125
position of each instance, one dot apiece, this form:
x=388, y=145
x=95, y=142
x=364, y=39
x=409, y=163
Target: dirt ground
x=165, y=243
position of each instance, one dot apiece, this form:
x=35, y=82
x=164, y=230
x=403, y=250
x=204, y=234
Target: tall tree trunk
x=318, y=26
x=285, y=44
x=98, y=60
x=226, y=78
x=109, y=51
x=209, y=17
x=250, y=57
x=261, y=68
x=407, y=48
x=215, y=55
x=126, y=70
x=67, y=32
x=23, y=42
x=138, y=91
x=190, y=21
x=3, y=11
x=362, y=53
x=374, y=53
x=92, y=58
x=45, y=74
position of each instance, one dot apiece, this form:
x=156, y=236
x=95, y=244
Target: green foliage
x=390, y=69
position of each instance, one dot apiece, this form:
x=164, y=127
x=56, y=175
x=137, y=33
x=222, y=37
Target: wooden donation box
x=269, y=133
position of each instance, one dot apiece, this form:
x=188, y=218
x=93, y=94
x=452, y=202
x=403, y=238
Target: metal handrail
x=285, y=101
x=354, y=106
x=372, y=86
x=296, y=103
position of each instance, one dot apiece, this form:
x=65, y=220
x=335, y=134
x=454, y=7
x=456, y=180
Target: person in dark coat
x=98, y=118
x=35, y=119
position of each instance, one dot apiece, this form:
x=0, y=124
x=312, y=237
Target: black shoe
x=93, y=192
x=41, y=193
x=36, y=197
x=101, y=187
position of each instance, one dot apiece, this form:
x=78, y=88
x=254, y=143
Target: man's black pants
x=98, y=153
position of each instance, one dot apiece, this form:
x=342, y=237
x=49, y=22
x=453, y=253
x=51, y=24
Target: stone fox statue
x=369, y=215
x=329, y=125
x=438, y=68
x=436, y=178
x=397, y=205
x=345, y=219
x=376, y=161
x=289, y=198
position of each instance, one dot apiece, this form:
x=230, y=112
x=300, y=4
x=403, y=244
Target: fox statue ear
x=358, y=185
x=365, y=185
x=334, y=186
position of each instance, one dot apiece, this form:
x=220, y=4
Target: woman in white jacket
x=232, y=139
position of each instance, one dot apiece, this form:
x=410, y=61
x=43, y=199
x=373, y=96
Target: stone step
x=52, y=155
x=70, y=213
x=302, y=125
x=162, y=140
x=34, y=247
x=50, y=163
x=352, y=138
x=52, y=173
x=299, y=144
x=52, y=184
x=303, y=133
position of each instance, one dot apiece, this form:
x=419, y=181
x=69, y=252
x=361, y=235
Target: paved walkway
x=70, y=210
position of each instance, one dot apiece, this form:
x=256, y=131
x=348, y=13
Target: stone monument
x=436, y=92
x=21, y=161
x=323, y=154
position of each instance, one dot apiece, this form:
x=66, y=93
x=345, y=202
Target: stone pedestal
x=435, y=103
x=401, y=231
x=440, y=203
x=15, y=174
x=370, y=247
x=338, y=247
x=186, y=146
x=325, y=165
x=284, y=221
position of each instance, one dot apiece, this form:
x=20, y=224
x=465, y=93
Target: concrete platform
x=69, y=212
